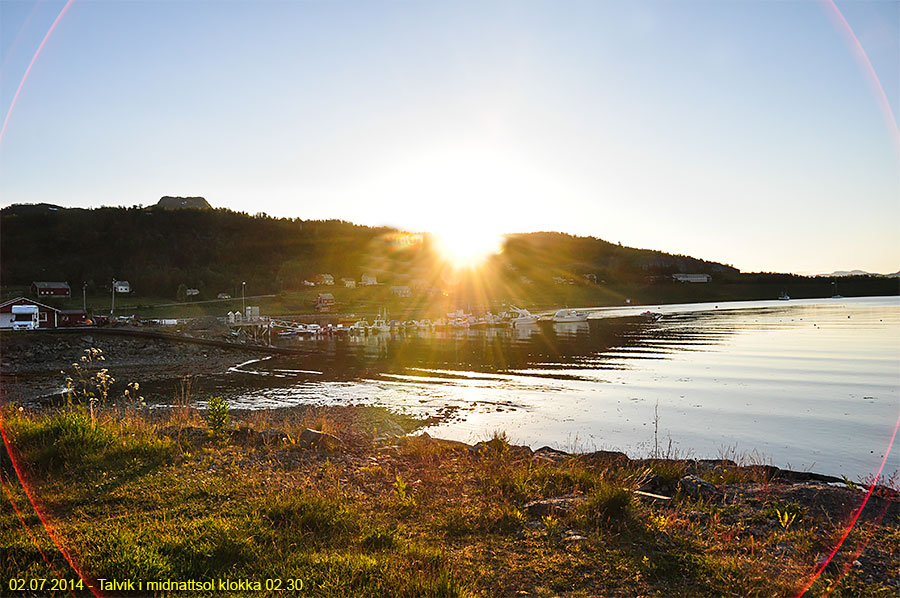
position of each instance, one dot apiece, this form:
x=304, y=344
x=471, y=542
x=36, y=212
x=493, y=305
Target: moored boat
x=569, y=315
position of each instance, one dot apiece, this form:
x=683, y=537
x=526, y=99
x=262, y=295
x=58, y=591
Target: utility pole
x=84, y=297
x=243, y=303
x=112, y=304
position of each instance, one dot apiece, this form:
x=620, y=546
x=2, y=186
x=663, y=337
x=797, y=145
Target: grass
x=130, y=498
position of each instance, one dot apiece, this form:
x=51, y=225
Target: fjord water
x=811, y=385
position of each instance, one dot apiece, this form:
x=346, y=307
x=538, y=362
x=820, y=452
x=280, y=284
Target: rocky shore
x=31, y=363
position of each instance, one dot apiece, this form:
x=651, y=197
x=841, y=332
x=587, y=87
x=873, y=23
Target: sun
x=466, y=247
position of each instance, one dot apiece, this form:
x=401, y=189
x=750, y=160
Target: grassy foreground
x=136, y=496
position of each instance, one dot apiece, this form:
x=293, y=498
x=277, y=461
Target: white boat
x=522, y=316
x=783, y=296
x=359, y=327
x=380, y=326
x=313, y=329
x=569, y=315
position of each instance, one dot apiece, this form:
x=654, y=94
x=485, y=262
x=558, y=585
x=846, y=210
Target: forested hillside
x=214, y=250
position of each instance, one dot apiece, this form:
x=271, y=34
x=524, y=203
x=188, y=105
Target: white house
x=349, y=283
x=122, y=286
x=400, y=291
x=326, y=280
x=368, y=280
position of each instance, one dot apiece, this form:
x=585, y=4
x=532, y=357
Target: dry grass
x=407, y=517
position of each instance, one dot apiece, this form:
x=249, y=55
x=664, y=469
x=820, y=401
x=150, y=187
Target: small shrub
x=378, y=539
x=402, y=497
x=607, y=504
x=551, y=523
x=785, y=519
x=658, y=523
x=217, y=416
x=506, y=519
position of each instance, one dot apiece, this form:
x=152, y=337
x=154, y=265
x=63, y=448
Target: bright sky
x=741, y=132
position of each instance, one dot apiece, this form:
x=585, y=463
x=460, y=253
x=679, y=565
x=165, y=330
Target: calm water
x=806, y=384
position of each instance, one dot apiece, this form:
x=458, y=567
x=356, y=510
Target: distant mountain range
x=860, y=273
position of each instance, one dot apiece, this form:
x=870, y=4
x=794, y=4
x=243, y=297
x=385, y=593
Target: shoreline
x=33, y=365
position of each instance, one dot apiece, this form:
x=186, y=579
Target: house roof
x=27, y=300
x=51, y=285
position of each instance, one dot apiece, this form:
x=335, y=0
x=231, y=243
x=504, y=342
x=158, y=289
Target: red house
x=72, y=317
x=51, y=289
x=324, y=302
x=48, y=317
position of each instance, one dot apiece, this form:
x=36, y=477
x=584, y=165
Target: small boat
x=652, y=316
x=359, y=327
x=783, y=296
x=834, y=293
x=569, y=315
x=380, y=326
x=287, y=333
x=522, y=316
x=313, y=329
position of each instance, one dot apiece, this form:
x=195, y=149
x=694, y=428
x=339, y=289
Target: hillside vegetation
x=159, y=250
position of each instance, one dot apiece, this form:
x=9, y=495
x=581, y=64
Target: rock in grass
x=319, y=440
x=558, y=505
x=273, y=435
x=545, y=453
x=699, y=488
x=244, y=434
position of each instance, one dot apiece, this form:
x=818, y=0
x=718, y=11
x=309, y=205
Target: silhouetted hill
x=214, y=250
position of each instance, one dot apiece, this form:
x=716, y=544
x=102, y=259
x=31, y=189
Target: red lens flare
x=47, y=526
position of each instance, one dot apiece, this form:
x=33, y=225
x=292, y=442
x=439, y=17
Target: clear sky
x=741, y=132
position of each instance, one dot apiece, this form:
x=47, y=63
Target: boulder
x=598, y=458
x=497, y=447
x=244, y=434
x=314, y=439
x=557, y=504
x=699, y=488
x=545, y=453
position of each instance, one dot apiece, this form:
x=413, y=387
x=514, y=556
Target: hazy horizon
x=746, y=133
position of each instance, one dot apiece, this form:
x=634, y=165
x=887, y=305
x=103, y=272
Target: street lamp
x=243, y=306
x=112, y=305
